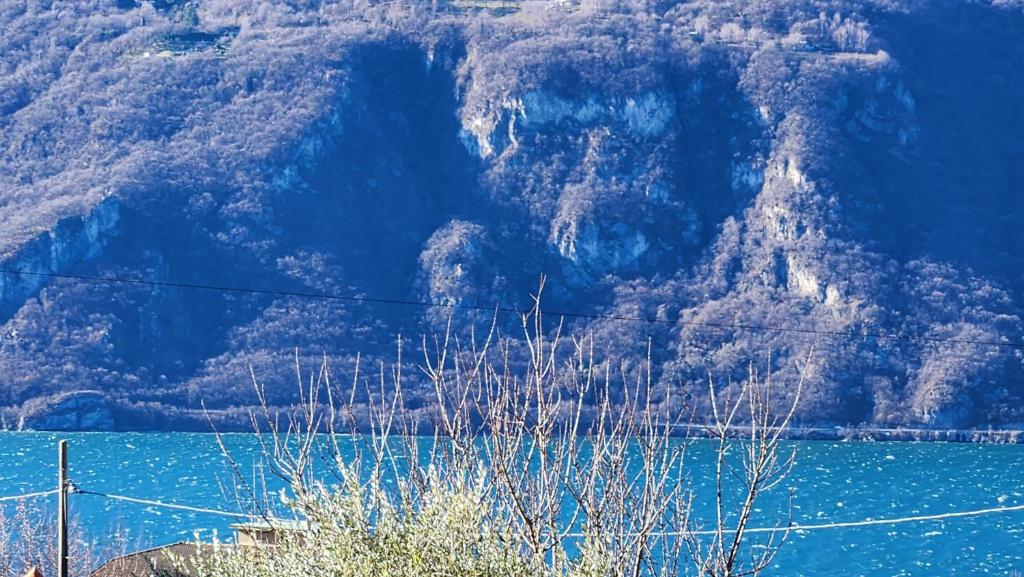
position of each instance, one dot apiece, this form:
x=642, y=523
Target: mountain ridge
x=848, y=168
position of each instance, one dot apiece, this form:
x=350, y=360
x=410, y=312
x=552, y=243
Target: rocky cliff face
x=756, y=177
x=77, y=411
x=71, y=241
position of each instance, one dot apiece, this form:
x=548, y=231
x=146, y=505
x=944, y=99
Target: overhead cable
x=503, y=309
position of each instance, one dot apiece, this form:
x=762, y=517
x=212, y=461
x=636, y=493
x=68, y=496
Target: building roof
x=156, y=562
x=283, y=525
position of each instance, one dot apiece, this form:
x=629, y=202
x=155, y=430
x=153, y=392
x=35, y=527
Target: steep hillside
x=757, y=177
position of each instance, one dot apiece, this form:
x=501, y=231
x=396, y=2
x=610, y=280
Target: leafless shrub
x=728, y=552
x=580, y=459
x=28, y=539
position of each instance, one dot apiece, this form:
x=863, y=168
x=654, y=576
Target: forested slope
x=757, y=176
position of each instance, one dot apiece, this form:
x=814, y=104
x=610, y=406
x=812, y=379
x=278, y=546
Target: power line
x=28, y=495
x=900, y=520
x=842, y=524
x=792, y=527
x=161, y=504
x=502, y=309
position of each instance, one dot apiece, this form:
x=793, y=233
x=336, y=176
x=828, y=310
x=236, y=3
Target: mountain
x=806, y=179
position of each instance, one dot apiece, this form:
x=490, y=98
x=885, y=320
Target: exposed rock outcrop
x=74, y=411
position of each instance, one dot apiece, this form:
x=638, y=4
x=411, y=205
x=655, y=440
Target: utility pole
x=62, y=510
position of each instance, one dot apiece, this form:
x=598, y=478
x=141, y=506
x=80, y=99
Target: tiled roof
x=156, y=562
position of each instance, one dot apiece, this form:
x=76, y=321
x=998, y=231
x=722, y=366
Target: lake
x=831, y=482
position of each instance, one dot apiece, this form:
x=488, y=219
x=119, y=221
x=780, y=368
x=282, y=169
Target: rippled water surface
x=831, y=482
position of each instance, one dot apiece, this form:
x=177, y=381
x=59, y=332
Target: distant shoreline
x=838, y=433
x=861, y=433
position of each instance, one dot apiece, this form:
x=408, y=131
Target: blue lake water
x=832, y=482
